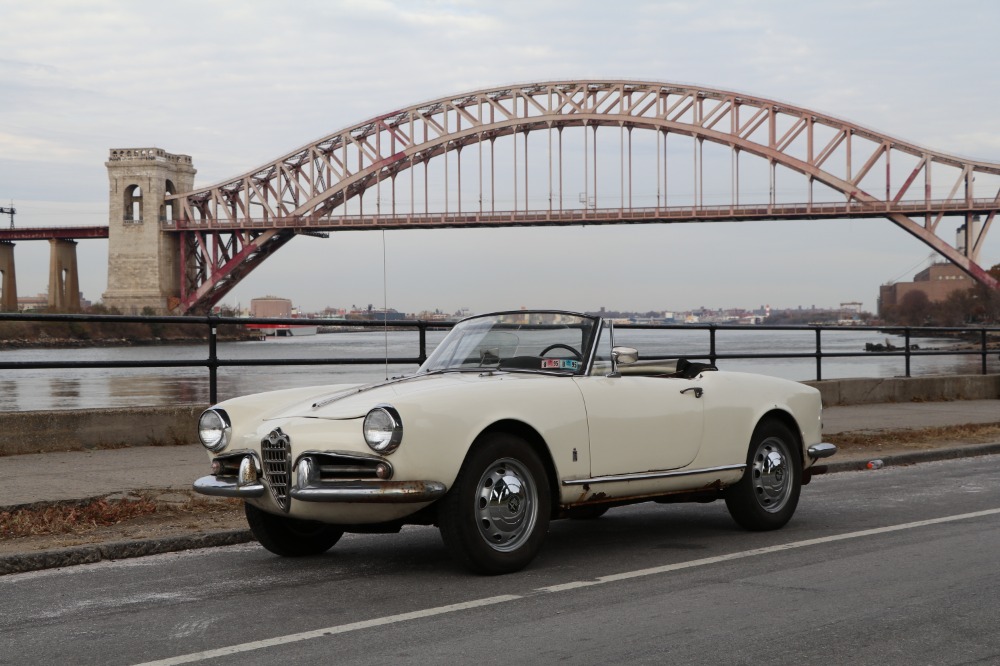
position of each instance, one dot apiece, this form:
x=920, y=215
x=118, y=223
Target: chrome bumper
x=309, y=487
x=815, y=452
x=212, y=485
x=370, y=492
x=366, y=492
x=246, y=483
x=821, y=450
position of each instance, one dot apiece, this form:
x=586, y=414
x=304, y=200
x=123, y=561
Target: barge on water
x=282, y=330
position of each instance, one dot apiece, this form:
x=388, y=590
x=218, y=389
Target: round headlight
x=214, y=429
x=383, y=429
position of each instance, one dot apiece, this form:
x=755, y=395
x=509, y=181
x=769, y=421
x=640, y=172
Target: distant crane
x=9, y=211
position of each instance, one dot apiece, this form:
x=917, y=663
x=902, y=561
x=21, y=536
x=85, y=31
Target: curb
x=914, y=457
x=117, y=550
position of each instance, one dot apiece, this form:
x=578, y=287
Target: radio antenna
x=385, y=307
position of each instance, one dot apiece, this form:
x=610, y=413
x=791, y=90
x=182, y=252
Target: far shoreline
x=81, y=343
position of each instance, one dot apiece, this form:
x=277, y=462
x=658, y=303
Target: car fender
x=441, y=427
x=736, y=403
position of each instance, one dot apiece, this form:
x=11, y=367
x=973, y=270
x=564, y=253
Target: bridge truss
x=536, y=162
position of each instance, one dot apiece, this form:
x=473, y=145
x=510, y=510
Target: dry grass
x=71, y=518
x=874, y=439
x=82, y=517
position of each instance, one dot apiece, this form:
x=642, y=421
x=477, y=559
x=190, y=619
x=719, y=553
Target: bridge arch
x=230, y=227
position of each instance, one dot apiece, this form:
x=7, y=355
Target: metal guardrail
x=213, y=362
x=982, y=334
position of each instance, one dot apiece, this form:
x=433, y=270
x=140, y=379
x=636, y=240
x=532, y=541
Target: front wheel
x=291, y=537
x=496, y=515
x=766, y=497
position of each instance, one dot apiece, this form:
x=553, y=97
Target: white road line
x=329, y=631
x=667, y=568
x=489, y=601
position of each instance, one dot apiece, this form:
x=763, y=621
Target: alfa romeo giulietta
x=515, y=419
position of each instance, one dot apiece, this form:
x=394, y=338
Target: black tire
x=290, y=537
x=494, y=518
x=766, y=497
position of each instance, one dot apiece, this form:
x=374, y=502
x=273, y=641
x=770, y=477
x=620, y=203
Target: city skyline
x=105, y=77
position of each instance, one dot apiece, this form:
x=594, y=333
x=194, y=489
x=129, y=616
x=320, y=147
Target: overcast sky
x=238, y=84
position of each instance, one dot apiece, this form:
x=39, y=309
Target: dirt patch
x=145, y=515
x=920, y=439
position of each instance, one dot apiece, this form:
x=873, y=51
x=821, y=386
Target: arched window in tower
x=167, y=211
x=133, y=204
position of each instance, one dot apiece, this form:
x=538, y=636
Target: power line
x=929, y=258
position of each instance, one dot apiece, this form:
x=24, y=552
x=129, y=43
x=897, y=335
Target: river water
x=26, y=390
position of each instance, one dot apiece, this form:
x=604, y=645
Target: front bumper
x=368, y=492
x=227, y=487
x=248, y=483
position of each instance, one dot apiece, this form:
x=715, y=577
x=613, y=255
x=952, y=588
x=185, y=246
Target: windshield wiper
x=535, y=371
x=478, y=368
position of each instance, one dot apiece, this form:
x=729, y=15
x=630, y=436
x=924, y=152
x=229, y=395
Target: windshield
x=550, y=342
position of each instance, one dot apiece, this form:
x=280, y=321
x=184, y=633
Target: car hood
x=355, y=401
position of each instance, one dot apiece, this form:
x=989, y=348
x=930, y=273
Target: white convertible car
x=517, y=418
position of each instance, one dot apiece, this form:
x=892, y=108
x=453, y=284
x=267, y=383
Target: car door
x=641, y=424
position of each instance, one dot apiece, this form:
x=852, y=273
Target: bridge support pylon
x=144, y=261
x=64, y=278
x=8, y=292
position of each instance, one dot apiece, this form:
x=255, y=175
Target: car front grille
x=341, y=466
x=275, y=449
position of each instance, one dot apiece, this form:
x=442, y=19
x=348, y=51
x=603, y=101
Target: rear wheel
x=291, y=537
x=766, y=497
x=494, y=518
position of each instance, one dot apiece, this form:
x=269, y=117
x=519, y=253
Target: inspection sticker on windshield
x=560, y=364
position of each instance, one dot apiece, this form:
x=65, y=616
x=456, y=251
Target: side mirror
x=624, y=355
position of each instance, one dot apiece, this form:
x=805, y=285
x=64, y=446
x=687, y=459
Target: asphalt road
x=895, y=566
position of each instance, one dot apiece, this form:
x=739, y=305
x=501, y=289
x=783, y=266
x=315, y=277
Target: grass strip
x=977, y=433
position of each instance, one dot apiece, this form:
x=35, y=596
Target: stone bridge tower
x=143, y=261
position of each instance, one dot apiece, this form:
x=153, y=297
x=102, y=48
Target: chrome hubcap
x=772, y=479
x=506, y=503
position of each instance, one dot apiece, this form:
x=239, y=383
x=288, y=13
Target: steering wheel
x=560, y=345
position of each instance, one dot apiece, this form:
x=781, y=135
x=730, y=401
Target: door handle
x=697, y=391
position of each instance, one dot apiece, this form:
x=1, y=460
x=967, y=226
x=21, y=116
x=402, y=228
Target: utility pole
x=9, y=211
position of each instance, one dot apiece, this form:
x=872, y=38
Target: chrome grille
x=275, y=450
x=338, y=466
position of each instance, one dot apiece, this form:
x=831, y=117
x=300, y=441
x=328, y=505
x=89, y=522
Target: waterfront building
x=41, y=302
x=938, y=281
x=271, y=306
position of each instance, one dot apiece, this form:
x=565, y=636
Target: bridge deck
x=51, y=233
x=579, y=216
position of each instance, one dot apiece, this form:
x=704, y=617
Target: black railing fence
x=908, y=351
x=977, y=339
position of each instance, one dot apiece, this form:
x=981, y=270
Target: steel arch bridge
x=544, y=136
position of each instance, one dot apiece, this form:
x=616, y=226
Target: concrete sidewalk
x=74, y=475
x=909, y=415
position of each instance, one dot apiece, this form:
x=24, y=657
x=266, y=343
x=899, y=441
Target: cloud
x=236, y=85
